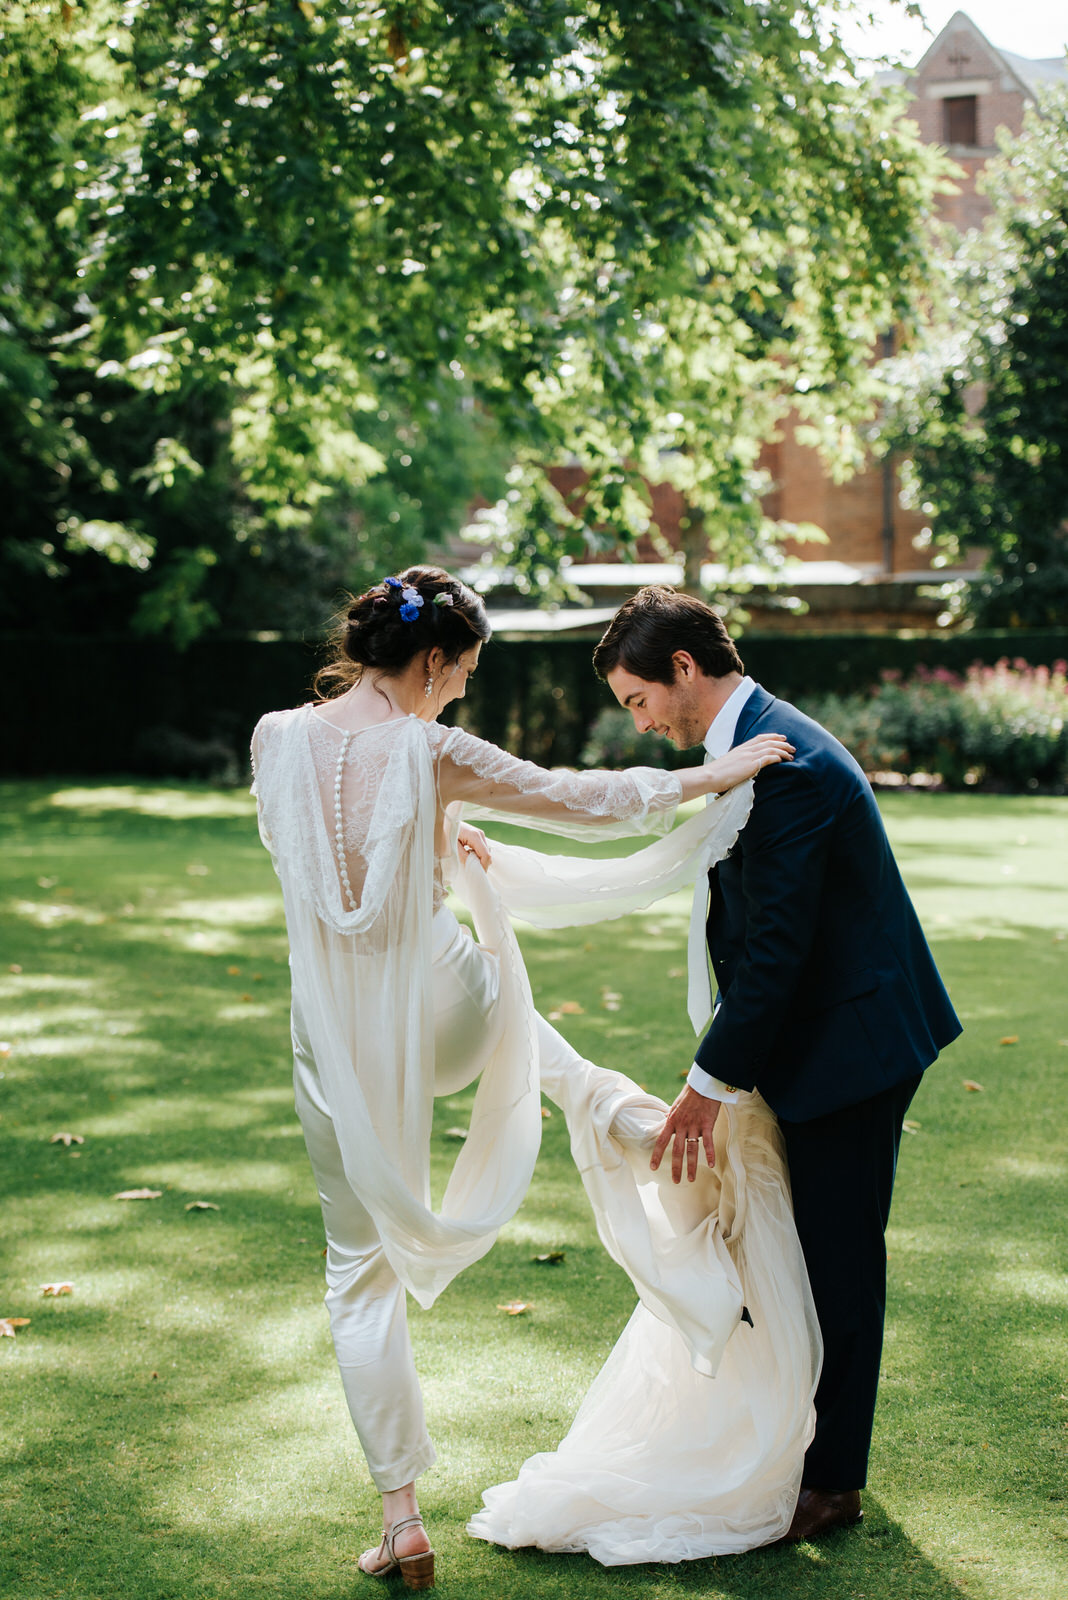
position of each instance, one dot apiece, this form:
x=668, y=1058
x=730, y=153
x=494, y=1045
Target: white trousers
x=368, y=1313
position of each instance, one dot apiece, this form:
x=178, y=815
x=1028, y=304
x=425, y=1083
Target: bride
x=359, y=796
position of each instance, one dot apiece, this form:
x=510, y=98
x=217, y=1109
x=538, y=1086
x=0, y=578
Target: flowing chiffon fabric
x=664, y=1461
x=691, y=1440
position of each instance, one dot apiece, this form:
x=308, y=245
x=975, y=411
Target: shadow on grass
x=875, y=1559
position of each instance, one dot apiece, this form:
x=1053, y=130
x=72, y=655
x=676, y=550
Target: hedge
x=111, y=705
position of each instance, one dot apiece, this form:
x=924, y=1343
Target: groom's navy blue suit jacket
x=828, y=991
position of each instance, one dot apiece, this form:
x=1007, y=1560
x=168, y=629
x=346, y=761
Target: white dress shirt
x=718, y=741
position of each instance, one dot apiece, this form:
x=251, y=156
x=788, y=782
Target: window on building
x=959, y=120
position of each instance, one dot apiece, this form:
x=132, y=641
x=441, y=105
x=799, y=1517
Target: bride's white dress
x=690, y=1441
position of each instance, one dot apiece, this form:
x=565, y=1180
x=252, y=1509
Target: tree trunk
x=694, y=550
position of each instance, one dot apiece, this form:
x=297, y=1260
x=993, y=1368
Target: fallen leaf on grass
x=5, y=1048
x=202, y=1205
x=610, y=1000
x=456, y=1133
x=14, y=967
x=546, y=1113
x=139, y=1194
x=9, y=1324
x=567, y=1008
x=1010, y=1038
x=971, y=1086
x=515, y=1308
x=908, y=1126
x=233, y=972
x=57, y=1288
x=551, y=1258
x=67, y=1139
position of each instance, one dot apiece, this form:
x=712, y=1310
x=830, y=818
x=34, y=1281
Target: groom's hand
x=691, y=1122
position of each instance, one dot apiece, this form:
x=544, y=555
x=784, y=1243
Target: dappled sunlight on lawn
x=87, y=1046
x=242, y=1013
x=540, y=1234
x=267, y=1468
x=229, y=1175
x=178, y=804
x=1024, y=1280
x=47, y=916
x=1021, y=1167
x=249, y=910
x=29, y=983
x=197, y=1109
x=982, y=866
x=184, y=1400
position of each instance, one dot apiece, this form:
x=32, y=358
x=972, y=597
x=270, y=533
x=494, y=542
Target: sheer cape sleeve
x=585, y=805
x=568, y=891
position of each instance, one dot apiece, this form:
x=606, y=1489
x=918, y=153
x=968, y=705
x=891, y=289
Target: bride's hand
x=746, y=760
x=473, y=842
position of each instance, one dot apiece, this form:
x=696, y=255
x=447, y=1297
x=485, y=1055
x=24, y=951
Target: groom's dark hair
x=649, y=627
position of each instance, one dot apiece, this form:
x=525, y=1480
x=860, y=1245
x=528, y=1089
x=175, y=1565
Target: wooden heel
x=417, y=1571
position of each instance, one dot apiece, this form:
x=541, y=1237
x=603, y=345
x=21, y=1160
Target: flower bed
x=1003, y=727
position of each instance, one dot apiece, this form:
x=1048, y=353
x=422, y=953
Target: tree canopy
x=288, y=285
x=983, y=399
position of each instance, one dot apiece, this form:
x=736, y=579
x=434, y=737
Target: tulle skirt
x=665, y=1462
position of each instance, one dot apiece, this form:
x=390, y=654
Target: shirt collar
x=720, y=735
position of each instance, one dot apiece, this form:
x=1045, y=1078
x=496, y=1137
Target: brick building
x=963, y=91
x=870, y=574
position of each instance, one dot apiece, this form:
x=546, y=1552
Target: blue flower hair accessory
x=392, y=583
x=413, y=603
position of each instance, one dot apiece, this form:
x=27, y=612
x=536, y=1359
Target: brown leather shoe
x=822, y=1511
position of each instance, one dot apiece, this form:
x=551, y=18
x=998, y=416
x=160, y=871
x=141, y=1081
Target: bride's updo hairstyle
x=398, y=619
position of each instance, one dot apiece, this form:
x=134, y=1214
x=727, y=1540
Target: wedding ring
x=693, y=1141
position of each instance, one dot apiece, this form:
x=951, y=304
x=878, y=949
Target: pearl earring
x=428, y=688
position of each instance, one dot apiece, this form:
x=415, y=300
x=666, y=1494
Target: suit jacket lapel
x=759, y=702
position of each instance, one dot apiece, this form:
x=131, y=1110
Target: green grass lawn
x=175, y=1426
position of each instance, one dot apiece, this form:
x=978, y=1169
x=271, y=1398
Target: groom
x=828, y=1000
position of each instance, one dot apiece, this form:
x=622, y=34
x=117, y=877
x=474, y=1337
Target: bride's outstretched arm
x=637, y=800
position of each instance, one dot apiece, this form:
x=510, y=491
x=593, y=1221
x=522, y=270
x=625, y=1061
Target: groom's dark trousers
x=829, y=1004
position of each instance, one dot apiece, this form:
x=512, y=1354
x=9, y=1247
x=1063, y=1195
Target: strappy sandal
x=417, y=1571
